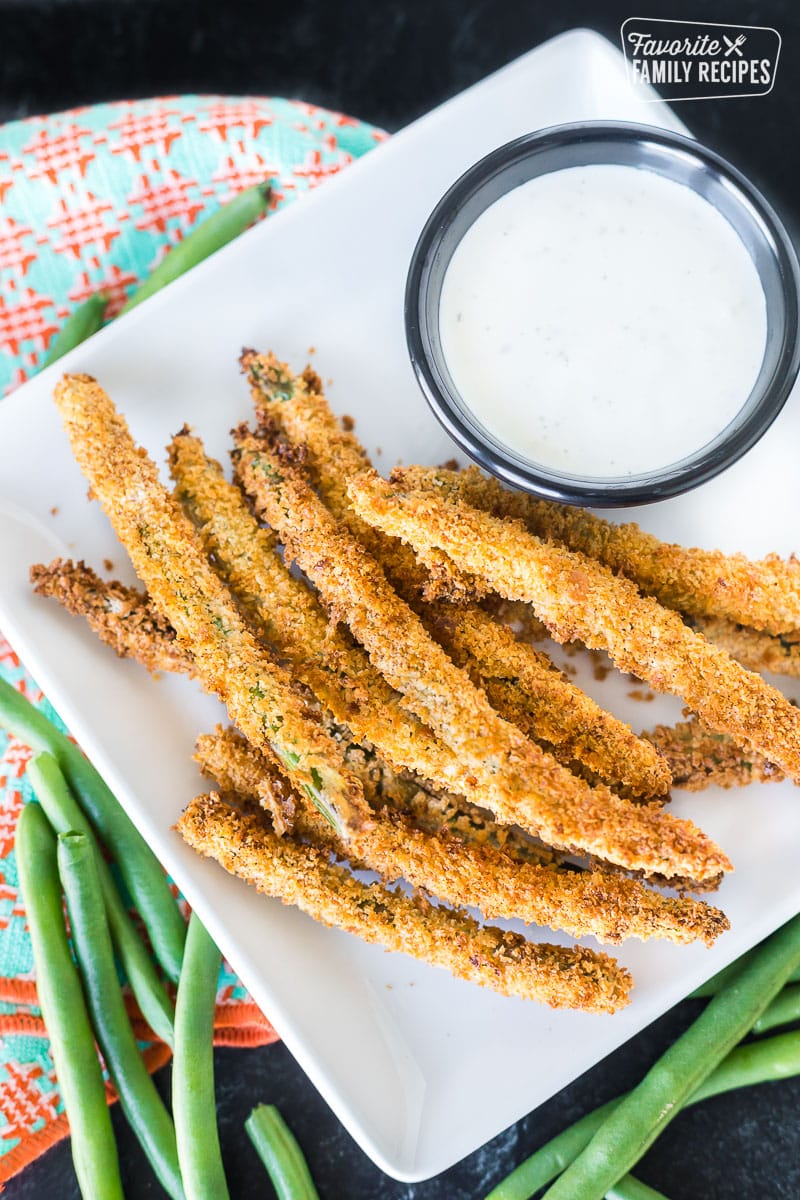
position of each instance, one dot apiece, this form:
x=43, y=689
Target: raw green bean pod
x=784, y=1010
x=80, y=1078
x=64, y=814
x=86, y=319
x=140, y=869
x=91, y=940
x=764, y=1061
x=210, y=235
x=278, y=1150
x=640, y=1117
x=193, y=1102
x=629, y=1188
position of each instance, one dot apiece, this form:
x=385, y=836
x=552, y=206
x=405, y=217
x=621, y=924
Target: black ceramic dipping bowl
x=678, y=158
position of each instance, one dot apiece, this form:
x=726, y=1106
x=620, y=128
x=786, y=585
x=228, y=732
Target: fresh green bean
x=629, y=1188
x=193, y=1103
x=764, y=1061
x=278, y=1150
x=210, y=235
x=785, y=1009
x=140, y=869
x=723, y=978
x=64, y=814
x=85, y=320
x=91, y=940
x=80, y=1078
x=641, y=1116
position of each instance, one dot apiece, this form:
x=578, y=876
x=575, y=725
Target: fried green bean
x=521, y=682
x=167, y=555
x=762, y=594
x=465, y=874
x=304, y=875
x=580, y=599
x=522, y=784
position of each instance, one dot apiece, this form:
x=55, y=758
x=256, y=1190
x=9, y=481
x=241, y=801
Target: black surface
x=388, y=62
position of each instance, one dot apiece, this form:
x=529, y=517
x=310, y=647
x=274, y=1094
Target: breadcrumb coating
x=121, y=616
x=700, y=758
x=303, y=875
x=580, y=599
x=167, y=556
x=519, y=680
x=763, y=594
x=607, y=906
x=522, y=784
x=755, y=650
x=235, y=766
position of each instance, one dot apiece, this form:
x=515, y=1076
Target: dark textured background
x=388, y=62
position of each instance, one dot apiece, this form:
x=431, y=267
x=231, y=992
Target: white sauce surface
x=603, y=321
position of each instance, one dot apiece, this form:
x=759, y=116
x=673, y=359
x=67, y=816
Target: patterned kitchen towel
x=91, y=200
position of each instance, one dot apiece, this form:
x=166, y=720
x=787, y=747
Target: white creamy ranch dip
x=603, y=321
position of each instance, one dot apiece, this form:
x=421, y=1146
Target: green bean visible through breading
x=166, y=553
x=522, y=784
x=522, y=683
x=580, y=599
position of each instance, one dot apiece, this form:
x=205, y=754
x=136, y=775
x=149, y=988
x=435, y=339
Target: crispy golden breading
x=610, y=907
x=763, y=594
x=700, y=758
x=303, y=875
x=287, y=614
x=285, y=611
x=167, y=556
x=579, y=598
x=121, y=616
x=755, y=650
x=519, y=681
x=526, y=687
x=235, y=767
x=522, y=784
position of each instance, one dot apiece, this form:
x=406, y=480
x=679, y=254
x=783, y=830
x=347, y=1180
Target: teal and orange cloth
x=91, y=200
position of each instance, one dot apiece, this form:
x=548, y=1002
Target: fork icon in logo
x=734, y=46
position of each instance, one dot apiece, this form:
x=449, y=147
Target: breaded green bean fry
x=523, y=785
x=580, y=599
x=763, y=594
x=568, y=720
x=169, y=559
x=609, y=907
x=305, y=876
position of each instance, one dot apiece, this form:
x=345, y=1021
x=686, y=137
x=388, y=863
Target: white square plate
x=421, y=1068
